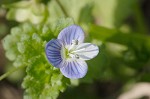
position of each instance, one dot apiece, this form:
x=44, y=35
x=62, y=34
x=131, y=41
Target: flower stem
x=10, y=72
x=62, y=8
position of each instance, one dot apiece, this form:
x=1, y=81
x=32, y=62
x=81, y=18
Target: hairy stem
x=10, y=72
x=62, y=8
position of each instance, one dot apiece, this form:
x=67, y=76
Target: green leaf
x=115, y=36
x=85, y=15
x=137, y=52
x=43, y=80
x=123, y=10
x=25, y=46
x=61, y=24
x=101, y=33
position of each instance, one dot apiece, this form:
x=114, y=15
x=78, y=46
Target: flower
x=68, y=52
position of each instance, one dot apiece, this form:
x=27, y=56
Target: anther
x=77, y=56
x=74, y=42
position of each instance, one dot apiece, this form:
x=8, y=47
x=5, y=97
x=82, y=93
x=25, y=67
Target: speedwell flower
x=68, y=52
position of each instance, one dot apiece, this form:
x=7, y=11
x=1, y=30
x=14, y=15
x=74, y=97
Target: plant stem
x=10, y=72
x=139, y=17
x=62, y=8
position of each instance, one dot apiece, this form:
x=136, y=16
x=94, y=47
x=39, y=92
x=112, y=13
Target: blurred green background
x=121, y=29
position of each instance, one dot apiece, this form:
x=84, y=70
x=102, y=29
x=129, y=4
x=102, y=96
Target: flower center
x=68, y=51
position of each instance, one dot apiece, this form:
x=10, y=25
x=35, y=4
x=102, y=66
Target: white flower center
x=69, y=51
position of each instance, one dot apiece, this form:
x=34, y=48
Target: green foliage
x=25, y=46
x=112, y=13
x=86, y=11
x=3, y=29
x=124, y=57
x=21, y=11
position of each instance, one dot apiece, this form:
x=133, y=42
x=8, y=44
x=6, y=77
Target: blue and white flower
x=69, y=53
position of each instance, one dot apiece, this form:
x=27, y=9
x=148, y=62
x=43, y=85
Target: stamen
x=69, y=50
x=74, y=42
x=77, y=56
x=74, y=56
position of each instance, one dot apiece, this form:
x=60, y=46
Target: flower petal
x=74, y=69
x=70, y=33
x=86, y=51
x=53, y=52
